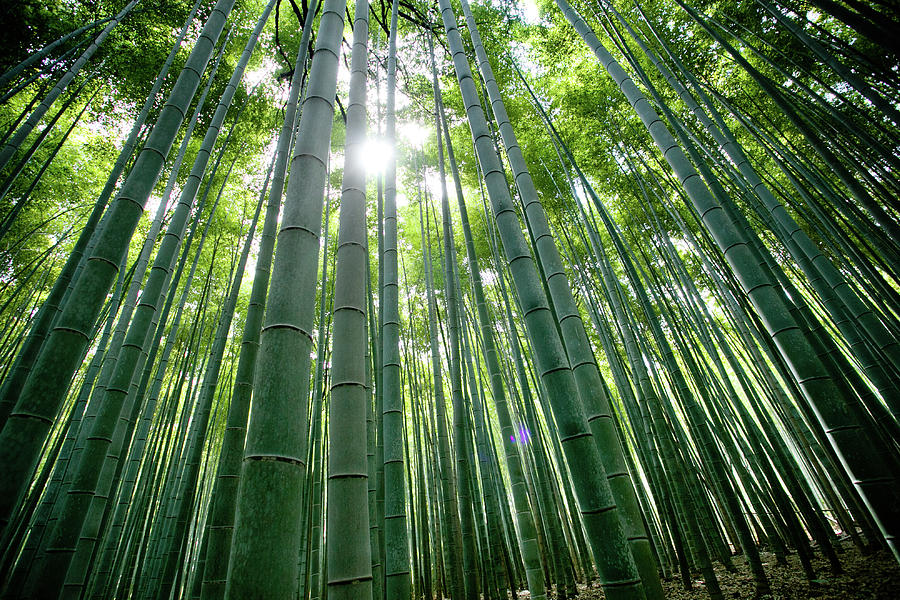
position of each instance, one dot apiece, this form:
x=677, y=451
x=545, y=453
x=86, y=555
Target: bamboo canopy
x=399, y=299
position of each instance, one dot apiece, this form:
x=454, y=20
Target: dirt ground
x=872, y=577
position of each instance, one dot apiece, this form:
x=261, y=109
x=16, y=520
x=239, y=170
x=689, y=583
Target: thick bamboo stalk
x=349, y=561
x=266, y=542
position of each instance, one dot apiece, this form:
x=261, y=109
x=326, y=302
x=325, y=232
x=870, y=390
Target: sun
x=375, y=155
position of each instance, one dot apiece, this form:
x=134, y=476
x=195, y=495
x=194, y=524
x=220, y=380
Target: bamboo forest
x=449, y=299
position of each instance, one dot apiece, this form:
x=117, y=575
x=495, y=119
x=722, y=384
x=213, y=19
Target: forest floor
x=865, y=577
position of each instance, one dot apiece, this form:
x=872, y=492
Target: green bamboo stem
x=396, y=543
x=266, y=540
x=349, y=562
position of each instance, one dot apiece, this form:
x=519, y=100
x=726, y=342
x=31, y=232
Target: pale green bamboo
x=313, y=567
x=110, y=544
x=40, y=521
x=143, y=261
x=194, y=351
x=527, y=534
x=85, y=548
x=106, y=428
x=829, y=283
x=371, y=469
x=645, y=388
x=460, y=431
x=200, y=419
x=584, y=367
x=872, y=476
x=451, y=527
x=608, y=541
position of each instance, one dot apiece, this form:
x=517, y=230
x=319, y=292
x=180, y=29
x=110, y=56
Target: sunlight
x=152, y=205
x=531, y=12
x=375, y=154
x=265, y=72
x=433, y=183
x=413, y=133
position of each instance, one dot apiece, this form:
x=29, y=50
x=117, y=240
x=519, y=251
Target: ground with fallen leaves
x=866, y=577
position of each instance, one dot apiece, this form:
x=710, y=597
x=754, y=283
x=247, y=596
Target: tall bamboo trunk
x=266, y=542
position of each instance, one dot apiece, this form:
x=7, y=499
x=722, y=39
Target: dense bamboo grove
x=445, y=300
